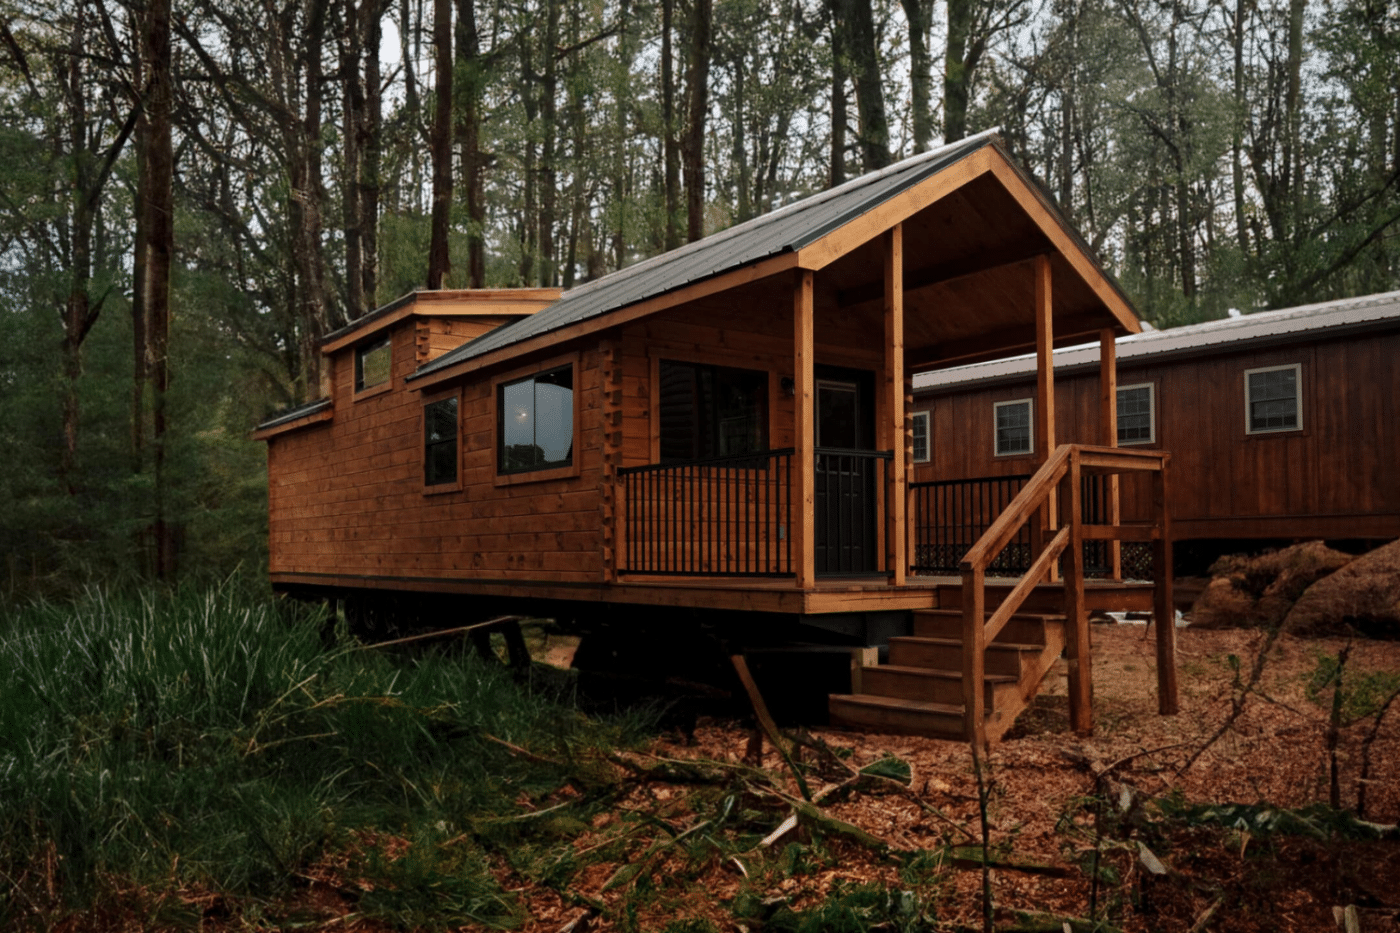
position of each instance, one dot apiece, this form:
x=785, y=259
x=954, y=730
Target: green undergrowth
x=220, y=742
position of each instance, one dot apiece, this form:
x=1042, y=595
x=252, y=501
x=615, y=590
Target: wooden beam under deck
x=830, y=595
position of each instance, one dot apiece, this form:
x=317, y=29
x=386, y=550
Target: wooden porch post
x=1163, y=609
x=1077, y=649
x=892, y=431
x=804, y=479
x=1045, y=395
x=1108, y=437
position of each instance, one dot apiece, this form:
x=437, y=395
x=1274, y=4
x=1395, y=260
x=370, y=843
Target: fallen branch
x=442, y=633
x=765, y=720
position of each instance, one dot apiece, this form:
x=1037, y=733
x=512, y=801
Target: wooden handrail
x=1067, y=463
x=1027, y=502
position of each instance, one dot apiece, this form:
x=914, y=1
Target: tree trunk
x=697, y=109
x=671, y=237
x=353, y=106
x=957, y=77
x=739, y=155
x=439, y=260
x=919, y=13
x=371, y=145
x=140, y=324
x=78, y=316
x=620, y=190
x=1237, y=118
x=159, y=206
x=470, y=68
x=870, y=93
x=549, y=125
x=838, y=94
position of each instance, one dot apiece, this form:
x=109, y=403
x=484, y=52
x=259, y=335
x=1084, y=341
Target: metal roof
x=784, y=230
x=292, y=414
x=1307, y=320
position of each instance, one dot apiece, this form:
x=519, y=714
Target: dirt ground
x=1212, y=877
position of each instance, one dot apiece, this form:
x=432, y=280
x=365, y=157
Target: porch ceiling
x=969, y=291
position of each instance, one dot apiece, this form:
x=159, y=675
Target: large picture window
x=1013, y=427
x=373, y=364
x=440, y=442
x=535, y=422
x=1271, y=399
x=711, y=411
x=1136, y=419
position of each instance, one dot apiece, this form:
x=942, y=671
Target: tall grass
x=209, y=740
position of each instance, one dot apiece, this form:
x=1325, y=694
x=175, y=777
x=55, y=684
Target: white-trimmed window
x=1014, y=433
x=921, y=447
x=1137, y=415
x=1273, y=399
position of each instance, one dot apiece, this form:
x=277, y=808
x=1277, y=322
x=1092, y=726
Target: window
x=1013, y=427
x=535, y=422
x=1271, y=399
x=1136, y=422
x=921, y=451
x=711, y=411
x=372, y=364
x=440, y=442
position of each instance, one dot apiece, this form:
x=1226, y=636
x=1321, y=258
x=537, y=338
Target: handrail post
x=974, y=658
x=1163, y=610
x=1077, y=649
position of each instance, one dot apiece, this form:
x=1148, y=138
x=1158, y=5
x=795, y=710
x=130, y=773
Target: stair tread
x=921, y=706
x=937, y=672
x=957, y=614
x=991, y=645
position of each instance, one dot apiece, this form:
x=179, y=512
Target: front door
x=845, y=480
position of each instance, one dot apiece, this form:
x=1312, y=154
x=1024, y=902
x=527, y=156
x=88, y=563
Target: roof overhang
x=462, y=302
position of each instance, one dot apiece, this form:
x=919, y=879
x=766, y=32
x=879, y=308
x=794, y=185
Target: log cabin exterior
x=725, y=428
x=1282, y=426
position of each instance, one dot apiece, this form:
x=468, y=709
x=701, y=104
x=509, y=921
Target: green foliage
x=855, y=908
x=1364, y=693
x=211, y=739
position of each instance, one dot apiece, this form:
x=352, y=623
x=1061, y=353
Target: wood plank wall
x=348, y=497
x=1337, y=477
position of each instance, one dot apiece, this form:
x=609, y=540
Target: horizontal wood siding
x=348, y=497
x=1334, y=478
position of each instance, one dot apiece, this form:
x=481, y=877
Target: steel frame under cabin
x=823, y=309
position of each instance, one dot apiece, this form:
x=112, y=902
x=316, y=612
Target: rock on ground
x=1260, y=591
x=1361, y=598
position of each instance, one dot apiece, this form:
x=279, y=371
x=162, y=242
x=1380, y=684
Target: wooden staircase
x=967, y=672
x=920, y=690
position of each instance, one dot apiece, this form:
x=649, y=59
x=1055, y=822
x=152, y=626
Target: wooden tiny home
x=1281, y=426
x=726, y=428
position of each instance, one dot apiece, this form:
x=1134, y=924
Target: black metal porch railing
x=850, y=499
x=950, y=516
x=726, y=516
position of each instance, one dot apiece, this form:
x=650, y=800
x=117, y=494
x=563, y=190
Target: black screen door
x=845, y=482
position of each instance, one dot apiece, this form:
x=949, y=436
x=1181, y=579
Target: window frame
x=1249, y=429
x=1029, y=402
x=705, y=358
x=913, y=437
x=540, y=474
x=1151, y=388
x=455, y=484
x=357, y=376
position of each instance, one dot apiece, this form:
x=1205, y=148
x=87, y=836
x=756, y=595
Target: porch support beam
x=804, y=481
x=893, y=434
x=1045, y=393
x=1108, y=437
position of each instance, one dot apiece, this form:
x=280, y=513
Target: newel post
x=804, y=480
x=1163, y=609
x=974, y=658
x=1077, y=647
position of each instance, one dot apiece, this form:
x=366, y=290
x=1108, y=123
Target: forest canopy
x=193, y=192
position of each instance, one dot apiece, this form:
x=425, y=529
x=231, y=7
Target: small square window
x=1013, y=427
x=1272, y=399
x=535, y=427
x=440, y=442
x=921, y=448
x=373, y=363
x=1137, y=422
